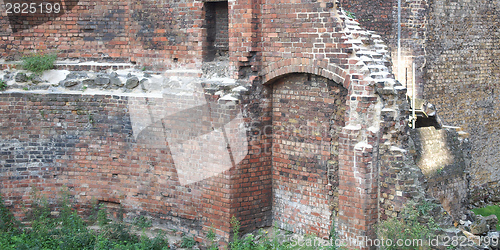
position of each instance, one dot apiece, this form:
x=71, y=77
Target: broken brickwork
x=303, y=114
x=454, y=47
x=443, y=156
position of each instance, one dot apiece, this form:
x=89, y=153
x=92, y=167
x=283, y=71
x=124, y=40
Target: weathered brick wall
x=443, y=157
x=308, y=114
x=267, y=42
x=462, y=77
x=150, y=33
x=289, y=38
x=128, y=151
x=454, y=47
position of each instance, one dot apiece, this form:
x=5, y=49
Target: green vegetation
x=188, y=242
x=439, y=171
x=3, y=85
x=102, y=216
x=266, y=241
x=91, y=118
x=68, y=230
x=487, y=211
x=39, y=63
x=8, y=222
x=62, y=228
x=212, y=238
x=142, y=222
x=408, y=228
x=350, y=14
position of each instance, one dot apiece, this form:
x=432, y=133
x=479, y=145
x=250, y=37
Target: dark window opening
x=217, y=26
x=426, y=114
x=427, y=121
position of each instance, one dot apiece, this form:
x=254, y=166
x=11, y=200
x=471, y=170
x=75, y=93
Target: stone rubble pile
x=481, y=230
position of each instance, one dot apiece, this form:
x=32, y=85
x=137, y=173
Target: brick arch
x=305, y=65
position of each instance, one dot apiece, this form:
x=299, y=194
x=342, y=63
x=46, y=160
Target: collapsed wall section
x=454, y=47
x=443, y=156
x=413, y=16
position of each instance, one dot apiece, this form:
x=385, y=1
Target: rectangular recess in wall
x=217, y=27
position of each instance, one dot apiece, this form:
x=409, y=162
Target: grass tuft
x=487, y=211
x=3, y=85
x=39, y=63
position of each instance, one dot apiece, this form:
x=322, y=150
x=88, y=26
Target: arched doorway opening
x=308, y=113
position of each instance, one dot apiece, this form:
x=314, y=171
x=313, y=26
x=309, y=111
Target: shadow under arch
x=305, y=65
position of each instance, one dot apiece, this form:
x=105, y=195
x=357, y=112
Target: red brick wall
x=376, y=15
x=288, y=38
x=308, y=114
x=93, y=145
x=150, y=33
x=267, y=40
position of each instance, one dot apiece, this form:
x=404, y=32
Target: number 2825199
x=33, y=8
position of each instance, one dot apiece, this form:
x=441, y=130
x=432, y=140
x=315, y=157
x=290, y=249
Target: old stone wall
x=454, y=45
x=443, y=156
x=462, y=77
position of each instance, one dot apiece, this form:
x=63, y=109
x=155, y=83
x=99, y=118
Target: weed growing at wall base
x=8, y=222
x=407, y=232
x=68, y=231
x=266, y=240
